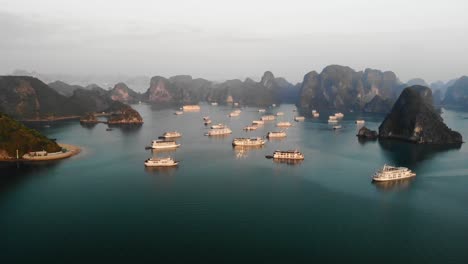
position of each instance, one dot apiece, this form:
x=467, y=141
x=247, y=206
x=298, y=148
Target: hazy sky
x=220, y=40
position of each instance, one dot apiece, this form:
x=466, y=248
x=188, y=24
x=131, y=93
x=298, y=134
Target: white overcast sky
x=234, y=39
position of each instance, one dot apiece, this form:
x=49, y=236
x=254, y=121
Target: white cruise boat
x=258, y=123
x=276, y=134
x=280, y=114
x=283, y=124
x=219, y=132
x=248, y=142
x=261, y=110
x=390, y=173
x=171, y=134
x=268, y=117
x=191, y=108
x=218, y=126
x=164, y=144
x=234, y=113
x=250, y=128
x=299, y=118
x=339, y=115
x=178, y=113
x=360, y=122
x=288, y=155
x=161, y=162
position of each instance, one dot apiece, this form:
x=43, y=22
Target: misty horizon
x=214, y=41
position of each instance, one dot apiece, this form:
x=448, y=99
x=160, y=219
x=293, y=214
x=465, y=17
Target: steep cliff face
x=341, y=88
x=413, y=118
x=457, y=94
x=122, y=93
x=378, y=105
x=28, y=98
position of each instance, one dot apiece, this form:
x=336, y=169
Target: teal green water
x=224, y=205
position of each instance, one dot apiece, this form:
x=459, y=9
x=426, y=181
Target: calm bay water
x=228, y=205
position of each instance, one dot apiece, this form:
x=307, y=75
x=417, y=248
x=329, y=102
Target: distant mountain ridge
x=28, y=98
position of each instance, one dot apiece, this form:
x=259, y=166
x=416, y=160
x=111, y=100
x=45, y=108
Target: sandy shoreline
x=72, y=150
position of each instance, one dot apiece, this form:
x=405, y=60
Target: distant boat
x=360, y=121
x=207, y=122
x=214, y=103
x=280, y=114
x=219, y=132
x=249, y=128
x=283, y=124
x=258, y=122
x=178, y=113
x=268, y=118
x=337, y=127
x=276, y=134
x=299, y=118
x=218, y=126
x=261, y=110
x=161, y=162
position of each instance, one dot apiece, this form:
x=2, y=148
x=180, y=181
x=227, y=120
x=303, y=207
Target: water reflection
x=396, y=185
x=242, y=151
x=88, y=125
x=168, y=171
x=13, y=173
x=288, y=162
x=127, y=129
x=410, y=155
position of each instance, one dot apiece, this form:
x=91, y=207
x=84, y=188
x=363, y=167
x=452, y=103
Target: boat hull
x=166, y=147
x=395, y=179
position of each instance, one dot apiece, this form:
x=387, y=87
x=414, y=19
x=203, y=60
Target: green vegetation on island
x=16, y=136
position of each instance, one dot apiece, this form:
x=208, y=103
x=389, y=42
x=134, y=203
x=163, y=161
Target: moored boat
x=171, y=134
x=261, y=110
x=299, y=118
x=219, y=132
x=280, y=114
x=207, y=122
x=247, y=142
x=339, y=115
x=288, y=155
x=190, y=108
x=161, y=162
x=360, y=122
x=338, y=127
x=268, y=118
x=218, y=126
x=178, y=113
x=258, y=122
x=164, y=144
x=249, y=128
x=390, y=173
x=276, y=134
x=283, y=124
